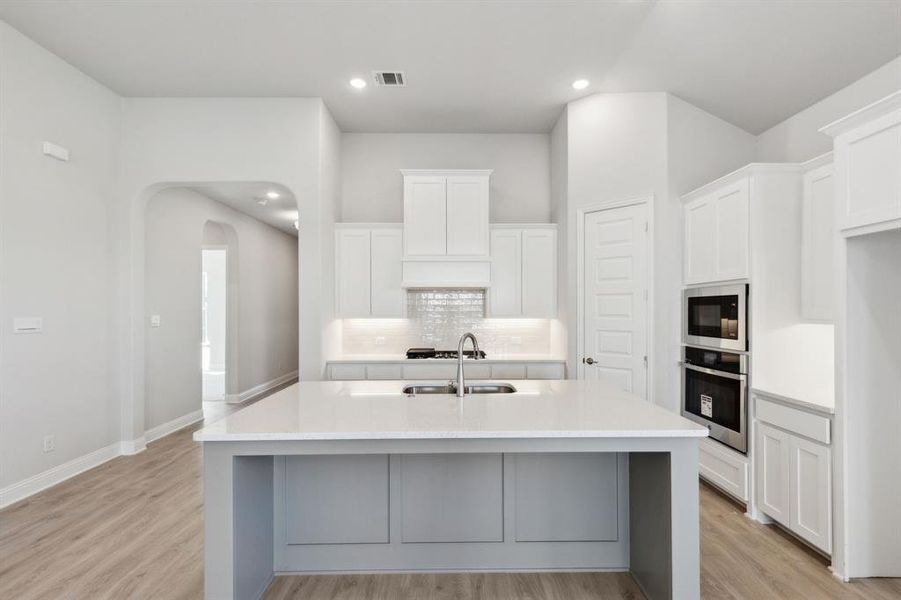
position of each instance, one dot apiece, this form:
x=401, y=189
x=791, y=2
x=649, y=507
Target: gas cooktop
x=432, y=353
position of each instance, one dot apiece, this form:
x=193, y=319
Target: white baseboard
x=172, y=426
x=129, y=447
x=34, y=484
x=264, y=387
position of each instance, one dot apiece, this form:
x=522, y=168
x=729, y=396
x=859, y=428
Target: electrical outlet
x=49, y=443
x=380, y=340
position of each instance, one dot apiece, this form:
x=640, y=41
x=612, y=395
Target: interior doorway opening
x=214, y=328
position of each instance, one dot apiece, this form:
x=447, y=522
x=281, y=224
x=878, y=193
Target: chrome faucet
x=461, y=385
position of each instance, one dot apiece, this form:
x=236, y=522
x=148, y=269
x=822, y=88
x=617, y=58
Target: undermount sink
x=476, y=388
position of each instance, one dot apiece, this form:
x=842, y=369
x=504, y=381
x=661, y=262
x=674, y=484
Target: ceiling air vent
x=390, y=78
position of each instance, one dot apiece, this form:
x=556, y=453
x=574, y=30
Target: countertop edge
x=431, y=361
x=420, y=436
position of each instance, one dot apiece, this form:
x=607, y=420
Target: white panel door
x=425, y=216
x=817, y=245
x=352, y=281
x=467, y=216
x=700, y=237
x=539, y=273
x=387, y=271
x=505, y=297
x=771, y=451
x=615, y=305
x=811, y=492
x=732, y=217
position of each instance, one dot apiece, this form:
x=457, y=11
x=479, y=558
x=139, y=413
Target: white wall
x=54, y=260
x=213, y=266
x=616, y=151
x=797, y=139
x=372, y=186
x=559, y=181
x=330, y=207
x=267, y=301
x=200, y=140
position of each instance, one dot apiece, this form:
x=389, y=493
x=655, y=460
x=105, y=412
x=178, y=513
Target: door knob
x=588, y=361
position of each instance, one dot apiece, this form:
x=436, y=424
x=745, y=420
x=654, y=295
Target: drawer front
x=382, y=372
x=350, y=372
x=441, y=371
x=721, y=468
x=510, y=371
x=815, y=427
x=545, y=371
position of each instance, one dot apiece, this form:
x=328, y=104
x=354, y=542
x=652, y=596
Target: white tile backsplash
x=437, y=318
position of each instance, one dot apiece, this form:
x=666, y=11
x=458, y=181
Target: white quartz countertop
x=491, y=359
x=378, y=410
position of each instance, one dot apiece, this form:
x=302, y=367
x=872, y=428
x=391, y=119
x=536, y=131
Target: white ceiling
x=280, y=212
x=487, y=66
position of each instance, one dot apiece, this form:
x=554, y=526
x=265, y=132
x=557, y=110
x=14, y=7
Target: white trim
x=551, y=226
x=266, y=386
x=172, y=426
x=130, y=447
x=447, y=172
x=863, y=115
x=817, y=161
x=580, y=214
x=353, y=225
x=23, y=489
x=740, y=173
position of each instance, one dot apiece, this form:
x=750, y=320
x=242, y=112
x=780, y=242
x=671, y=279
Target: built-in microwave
x=714, y=393
x=716, y=317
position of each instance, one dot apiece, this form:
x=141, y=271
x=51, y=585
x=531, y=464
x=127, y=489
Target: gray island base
x=342, y=477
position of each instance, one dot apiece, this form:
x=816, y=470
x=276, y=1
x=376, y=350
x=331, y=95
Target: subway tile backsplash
x=437, y=318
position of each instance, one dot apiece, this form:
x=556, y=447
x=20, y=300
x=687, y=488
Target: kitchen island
x=359, y=476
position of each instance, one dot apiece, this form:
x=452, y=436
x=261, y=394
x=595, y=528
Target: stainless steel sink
x=489, y=388
x=476, y=388
x=430, y=389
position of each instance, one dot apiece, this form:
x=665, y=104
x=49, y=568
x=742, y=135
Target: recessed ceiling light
x=272, y=194
x=580, y=84
x=358, y=83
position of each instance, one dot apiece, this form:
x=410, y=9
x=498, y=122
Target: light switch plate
x=28, y=325
x=154, y=320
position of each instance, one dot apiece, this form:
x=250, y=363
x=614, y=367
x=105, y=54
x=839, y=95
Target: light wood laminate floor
x=132, y=529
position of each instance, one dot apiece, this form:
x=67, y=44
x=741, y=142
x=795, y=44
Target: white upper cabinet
x=368, y=271
x=817, y=244
x=523, y=271
x=446, y=214
x=425, y=215
x=352, y=277
x=467, y=215
x=868, y=167
x=386, y=293
x=539, y=273
x=716, y=229
x=505, y=296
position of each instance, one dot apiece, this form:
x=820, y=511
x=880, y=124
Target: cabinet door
x=771, y=454
x=817, y=245
x=731, y=250
x=700, y=218
x=811, y=492
x=467, y=216
x=868, y=172
x=505, y=298
x=352, y=280
x=425, y=216
x=387, y=272
x=539, y=273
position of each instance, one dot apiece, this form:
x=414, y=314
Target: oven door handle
x=725, y=374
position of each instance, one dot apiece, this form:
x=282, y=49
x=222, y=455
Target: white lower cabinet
x=810, y=514
x=772, y=465
x=444, y=370
x=793, y=476
x=723, y=467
